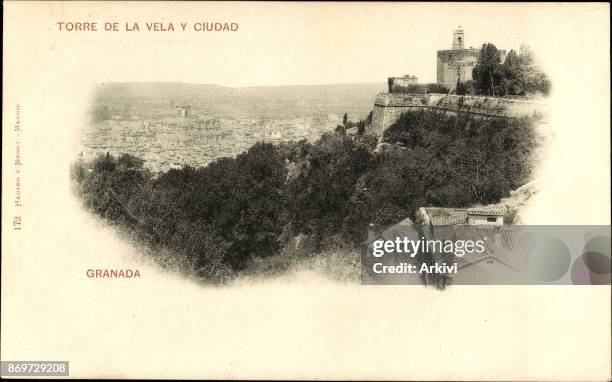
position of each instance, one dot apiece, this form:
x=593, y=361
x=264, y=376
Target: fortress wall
x=487, y=106
x=389, y=107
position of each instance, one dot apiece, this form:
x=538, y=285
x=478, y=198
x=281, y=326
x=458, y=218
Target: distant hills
x=297, y=100
x=184, y=90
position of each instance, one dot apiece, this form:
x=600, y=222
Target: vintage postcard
x=306, y=190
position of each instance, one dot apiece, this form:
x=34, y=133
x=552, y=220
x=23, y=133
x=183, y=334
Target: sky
x=306, y=43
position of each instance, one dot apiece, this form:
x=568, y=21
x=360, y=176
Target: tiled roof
x=500, y=242
x=446, y=216
x=488, y=211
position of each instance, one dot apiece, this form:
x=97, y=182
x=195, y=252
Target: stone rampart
x=389, y=107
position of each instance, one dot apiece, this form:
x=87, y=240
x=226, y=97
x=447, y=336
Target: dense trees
x=517, y=75
x=436, y=88
x=465, y=159
x=465, y=87
x=222, y=214
x=112, y=184
x=521, y=75
x=237, y=211
x=319, y=197
x=421, y=89
x=487, y=72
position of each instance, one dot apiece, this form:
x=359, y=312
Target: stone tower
x=458, y=62
x=458, y=39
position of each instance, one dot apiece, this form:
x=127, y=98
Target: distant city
x=144, y=120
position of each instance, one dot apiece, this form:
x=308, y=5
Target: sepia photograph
x=325, y=190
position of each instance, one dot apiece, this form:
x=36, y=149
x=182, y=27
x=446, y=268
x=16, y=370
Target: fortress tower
x=458, y=39
x=458, y=62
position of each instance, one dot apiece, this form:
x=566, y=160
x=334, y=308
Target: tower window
x=459, y=39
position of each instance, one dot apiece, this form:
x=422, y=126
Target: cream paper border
x=302, y=326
